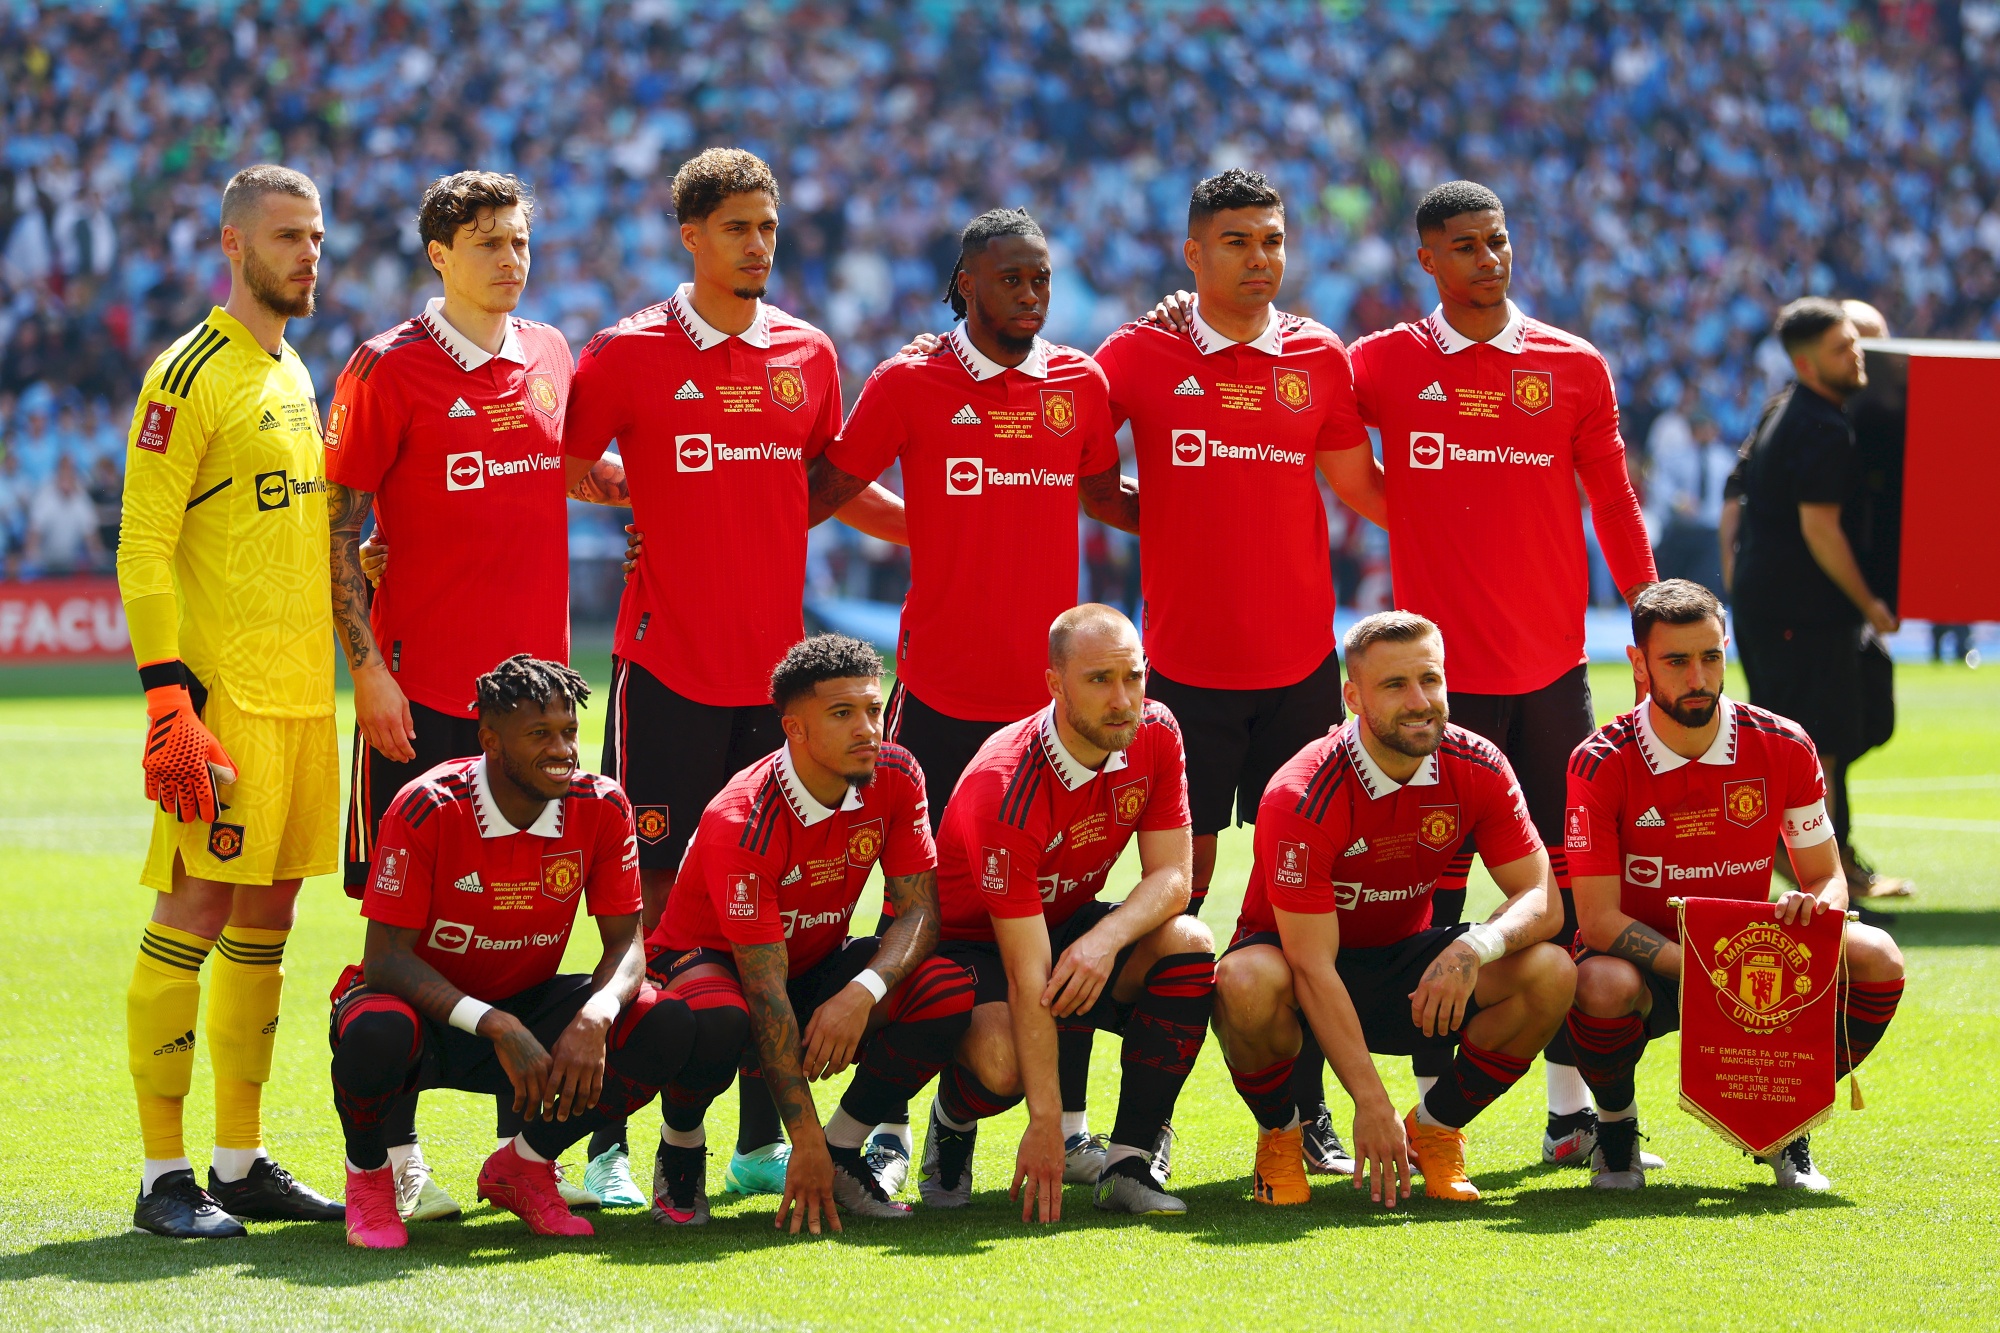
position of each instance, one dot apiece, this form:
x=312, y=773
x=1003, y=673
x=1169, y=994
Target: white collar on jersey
x=1510, y=339
x=493, y=824
x=804, y=804
x=1378, y=783
x=469, y=354
x=1720, y=752
x=1069, y=769
x=983, y=367
x=705, y=335
x=1207, y=341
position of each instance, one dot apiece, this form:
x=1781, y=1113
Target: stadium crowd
x=1674, y=175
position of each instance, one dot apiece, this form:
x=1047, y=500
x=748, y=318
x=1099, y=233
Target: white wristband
x=1484, y=940
x=465, y=1015
x=872, y=983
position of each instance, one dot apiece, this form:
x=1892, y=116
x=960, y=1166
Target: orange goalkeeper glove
x=183, y=762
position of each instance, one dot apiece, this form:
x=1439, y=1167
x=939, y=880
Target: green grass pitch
x=1907, y=1240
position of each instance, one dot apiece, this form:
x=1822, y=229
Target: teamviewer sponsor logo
x=694, y=453
x=465, y=472
x=1642, y=870
x=1426, y=450
x=1190, y=448
x=964, y=476
x=450, y=937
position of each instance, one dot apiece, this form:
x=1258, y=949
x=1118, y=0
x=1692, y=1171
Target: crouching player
x=1352, y=835
x=471, y=894
x=758, y=917
x=1030, y=836
x=1691, y=780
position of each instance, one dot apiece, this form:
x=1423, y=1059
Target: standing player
x=761, y=907
x=449, y=427
x=1692, y=780
x=222, y=568
x=1039, y=818
x=998, y=432
x=1230, y=418
x=1489, y=421
x=476, y=882
x=1337, y=926
x=718, y=402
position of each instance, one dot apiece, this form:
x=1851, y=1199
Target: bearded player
x=448, y=427
x=999, y=432
x=1041, y=815
x=719, y=402
x=1690, y=780
x=477, y=878
x=760, y=913
x=222, y=569
x=1336, y=932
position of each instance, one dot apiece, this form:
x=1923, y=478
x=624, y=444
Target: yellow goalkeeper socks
x=160, y=1010
x=243, y=1028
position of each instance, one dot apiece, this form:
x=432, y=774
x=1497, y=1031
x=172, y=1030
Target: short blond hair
x=1385, y=627
x=247, y=188
x=1091, y=617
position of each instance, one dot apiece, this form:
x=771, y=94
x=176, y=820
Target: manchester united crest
x=1743, y=802
x=788, y=386
x=1437, y=826
x=225, y=841
x=1129, y=801
x=1059, y=410
x=542, y=395
x=1295, y=388
x=1534, y=390
x=650, y=822
x=864, y=843
x=1763, y=977
x=562, y=875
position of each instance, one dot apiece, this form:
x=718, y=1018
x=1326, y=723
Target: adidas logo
x=687, y=392
x=1190, y=388
x=965, y=416
x=184, y=1042
x=271, y=1026
x=269, y=422
x=1360, y=846
x=1651, y=819
x=792, y=877
x=469, y=883
x=1054, y=843
x=1434, y=394
x=459, y=409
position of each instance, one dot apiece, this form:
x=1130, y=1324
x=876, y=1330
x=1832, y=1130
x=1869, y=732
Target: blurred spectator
x=1690, y=464
x=15, y=493
x=62, y=525
x=106, y=488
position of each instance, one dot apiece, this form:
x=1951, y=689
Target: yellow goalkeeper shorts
x=280, y=819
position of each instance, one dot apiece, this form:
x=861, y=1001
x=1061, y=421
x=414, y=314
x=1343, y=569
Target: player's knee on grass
x=376, y=1047
x=1175, y=935
x=1610, y=988
x=1546, y=979
x=988, y=1050
x=1872, y=954
x=1253, y=995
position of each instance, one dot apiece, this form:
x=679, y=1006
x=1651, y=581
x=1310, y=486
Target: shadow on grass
x=1943, y=929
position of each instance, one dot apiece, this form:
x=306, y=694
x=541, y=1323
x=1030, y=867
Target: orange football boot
x=1441, y=1158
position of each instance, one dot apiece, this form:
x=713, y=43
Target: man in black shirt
x=1802, y=603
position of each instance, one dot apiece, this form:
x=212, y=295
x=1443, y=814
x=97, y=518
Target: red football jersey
x=462, y=451
x=716, y=431
x=991, y=457
x=496, y=903
x=1337, y=834
x=769, y=864
x=1481, y=443
x=1237, y=584
x=1029, y=829
x=1671, y=827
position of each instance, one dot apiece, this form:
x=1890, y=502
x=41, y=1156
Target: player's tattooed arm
x=1111, y=498
x=913, y=936
x=1640, y=943
x=775, y=1028
x=830, y=488
x=599, y=481
x=346, y=514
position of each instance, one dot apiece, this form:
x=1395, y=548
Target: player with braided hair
x=477, y=875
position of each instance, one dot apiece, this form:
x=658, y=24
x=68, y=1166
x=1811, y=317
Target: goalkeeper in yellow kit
x=222, y=567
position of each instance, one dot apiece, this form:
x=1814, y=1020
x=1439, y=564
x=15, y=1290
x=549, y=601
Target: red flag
x=1757, y=1020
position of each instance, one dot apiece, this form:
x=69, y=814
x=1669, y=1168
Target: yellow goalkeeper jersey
x=222, y=554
